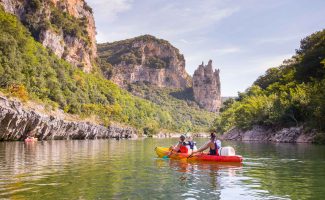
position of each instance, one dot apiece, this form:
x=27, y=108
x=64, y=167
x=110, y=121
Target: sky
x=243, y=37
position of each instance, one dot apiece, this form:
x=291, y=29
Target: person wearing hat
x=180, y=147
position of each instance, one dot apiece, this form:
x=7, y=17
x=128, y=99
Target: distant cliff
x=67, y=27
x=206, y=87
x=144, y=59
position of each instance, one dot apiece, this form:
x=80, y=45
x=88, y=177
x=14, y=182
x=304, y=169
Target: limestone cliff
x=206, y=87
x=16, y=121
x=67, y=27
x=144, y=59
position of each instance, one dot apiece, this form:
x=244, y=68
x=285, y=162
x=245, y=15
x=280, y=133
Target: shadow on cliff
x=186, y=94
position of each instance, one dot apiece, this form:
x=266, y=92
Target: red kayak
x=32, y=139
x=163, y=151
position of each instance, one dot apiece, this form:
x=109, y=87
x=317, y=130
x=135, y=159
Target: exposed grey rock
x=16, y=122
x=53, y=41
x=206, y=87
x=145, y=48
x=260, y=133
x=65, y=46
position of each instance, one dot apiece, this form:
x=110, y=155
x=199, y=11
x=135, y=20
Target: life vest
x=217, y=145
x=183, y=148
x=191, y=145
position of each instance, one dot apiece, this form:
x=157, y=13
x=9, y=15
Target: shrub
x=18, y=91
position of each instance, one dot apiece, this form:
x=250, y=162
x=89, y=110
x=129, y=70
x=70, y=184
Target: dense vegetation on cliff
x=36, y=20
x=30, y=71
x=292, y=94
x=186, y=113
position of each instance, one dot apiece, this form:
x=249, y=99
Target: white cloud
x=184, y=41
x=170, y=20
x=277, y=40
x=261, y=64
x=173, y=19
x=107, y=10
x=227, y=50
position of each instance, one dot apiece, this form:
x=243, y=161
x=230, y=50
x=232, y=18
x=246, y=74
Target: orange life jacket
x=183, y=149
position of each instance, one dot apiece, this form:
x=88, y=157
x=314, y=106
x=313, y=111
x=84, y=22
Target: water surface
x=129, y=169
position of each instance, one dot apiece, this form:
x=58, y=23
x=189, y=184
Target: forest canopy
x=292, y=94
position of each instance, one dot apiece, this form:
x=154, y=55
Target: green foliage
x=36, y=20
x=69, y=25
x=180, y=112
x=226, y=104
x=290, y=95
x=28, y=70
x=156, y=63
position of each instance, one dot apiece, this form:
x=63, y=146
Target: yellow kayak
x=164, y=151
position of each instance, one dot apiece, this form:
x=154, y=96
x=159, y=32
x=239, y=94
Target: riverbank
x=177, y=135
x=18, y=120
x=264, y=134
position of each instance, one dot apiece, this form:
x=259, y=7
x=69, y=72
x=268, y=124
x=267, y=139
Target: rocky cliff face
x=264, y=134
x=67, y=27
x=17, y=121
x=206, y=87
x=144, y=59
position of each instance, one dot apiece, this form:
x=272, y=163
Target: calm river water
x=129, y=169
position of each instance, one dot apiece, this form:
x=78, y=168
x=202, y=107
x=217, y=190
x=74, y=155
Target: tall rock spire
x=206, y=87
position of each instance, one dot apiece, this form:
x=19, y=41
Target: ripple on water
x=11, y=191
x=103, y=169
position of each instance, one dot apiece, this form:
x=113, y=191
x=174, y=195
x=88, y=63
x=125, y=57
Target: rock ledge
x=16, y=121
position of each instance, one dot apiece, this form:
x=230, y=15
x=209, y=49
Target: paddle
x=192, y=154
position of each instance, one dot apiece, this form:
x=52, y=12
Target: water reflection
x=206, y=177
x=110, y=169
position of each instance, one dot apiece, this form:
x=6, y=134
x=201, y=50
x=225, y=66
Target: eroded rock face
x=79, y=50
x=145, y=59
x=16, y=122
x=264, y=134
x=206, y=87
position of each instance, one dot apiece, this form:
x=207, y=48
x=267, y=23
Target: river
x=129, y=169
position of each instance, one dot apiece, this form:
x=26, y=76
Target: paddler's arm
x=201, y=149
x=174, y=149
x=204, y=147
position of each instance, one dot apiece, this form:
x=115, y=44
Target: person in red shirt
x=180, y=147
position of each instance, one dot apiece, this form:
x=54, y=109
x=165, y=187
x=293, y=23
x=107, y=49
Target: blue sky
x=243, y=38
